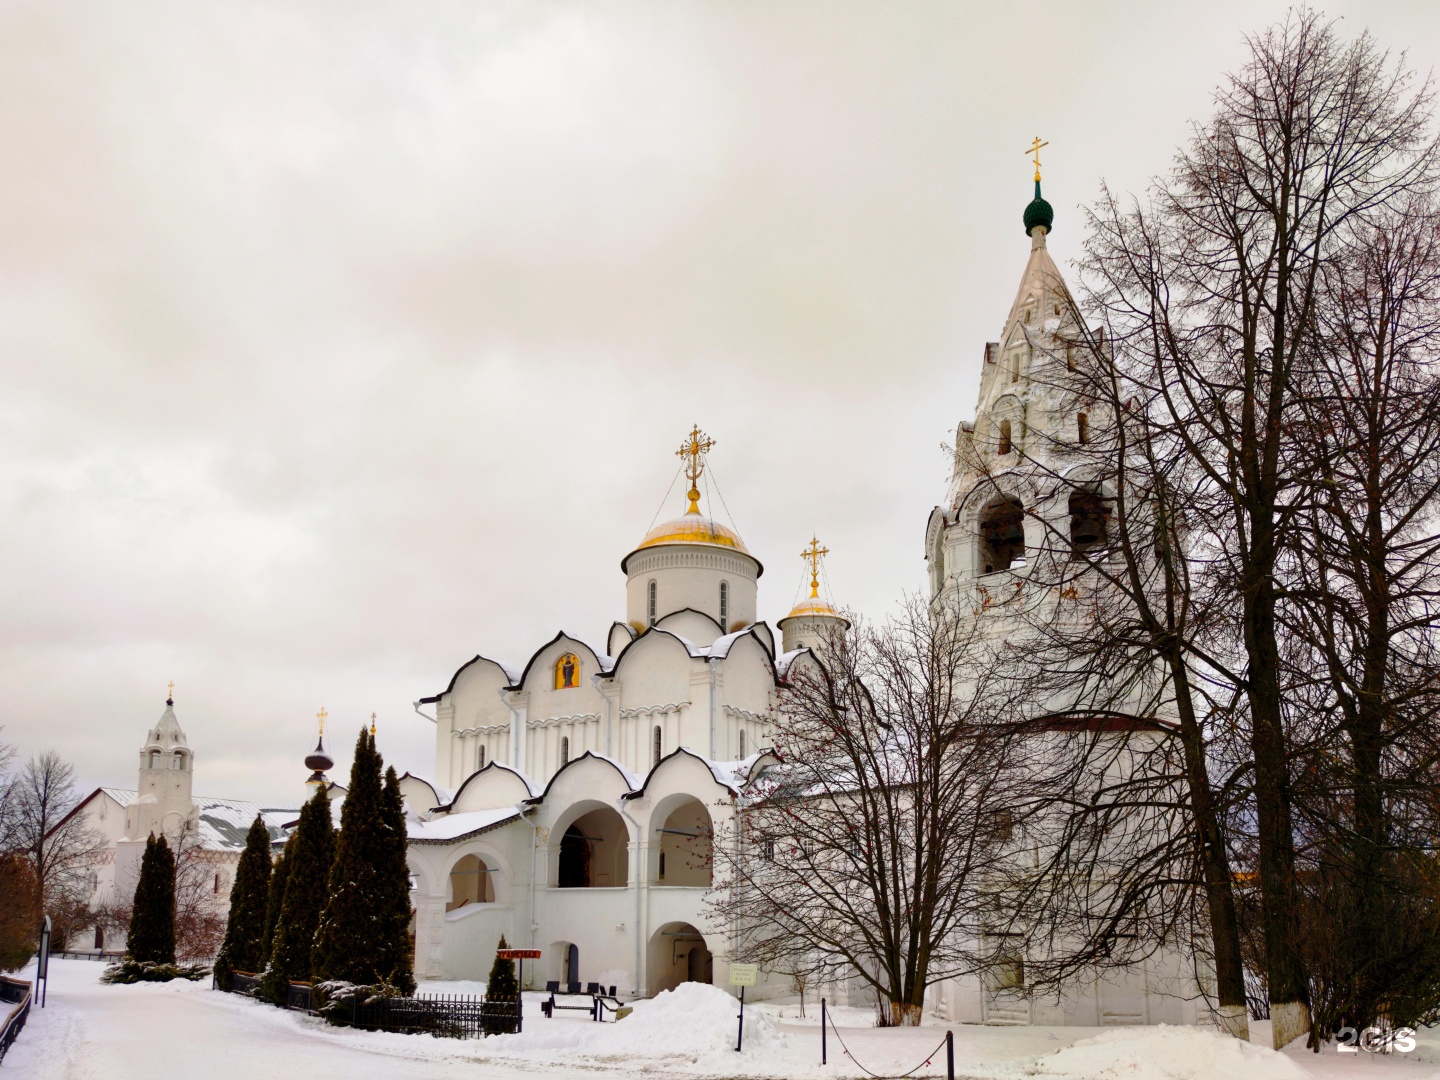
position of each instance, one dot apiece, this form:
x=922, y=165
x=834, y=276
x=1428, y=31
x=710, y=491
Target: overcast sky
x=340, y=342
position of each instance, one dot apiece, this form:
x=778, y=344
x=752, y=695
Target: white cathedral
x=575, y=793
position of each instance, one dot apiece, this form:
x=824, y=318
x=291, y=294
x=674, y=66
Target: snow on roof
x=454, y=826
x=734, y=774
x=784, y=660
x=223, y=823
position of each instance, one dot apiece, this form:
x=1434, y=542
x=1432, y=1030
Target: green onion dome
x=1039, y=212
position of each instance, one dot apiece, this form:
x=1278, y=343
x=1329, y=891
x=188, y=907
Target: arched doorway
x=677, y=954
x=594, y=852
x=470, y=883
x=682, y=845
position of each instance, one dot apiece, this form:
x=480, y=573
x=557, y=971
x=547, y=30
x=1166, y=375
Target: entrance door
x=572, y=964
x=700, y=967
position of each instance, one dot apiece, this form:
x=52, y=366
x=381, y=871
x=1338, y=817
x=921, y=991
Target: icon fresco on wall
x=567, y=672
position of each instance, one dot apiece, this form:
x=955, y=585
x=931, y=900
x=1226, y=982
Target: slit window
x=724, y=605
x=650, y=603
x=1088, y=516
x=658, y=744
x=1082, y=427
x=1006, y=444
x=742, y=743
x=480, y=763
x=1002, y=535
x=564, y=749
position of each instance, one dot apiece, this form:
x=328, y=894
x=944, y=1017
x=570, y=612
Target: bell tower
x=167, y=770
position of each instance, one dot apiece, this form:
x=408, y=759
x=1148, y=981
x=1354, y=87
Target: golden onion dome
x=812, y=607
x=693, y=529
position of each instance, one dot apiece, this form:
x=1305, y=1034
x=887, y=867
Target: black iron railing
x=16, y=994
x=452, y=1016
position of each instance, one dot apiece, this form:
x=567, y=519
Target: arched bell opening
x=1089, y=518
x=1001, y=529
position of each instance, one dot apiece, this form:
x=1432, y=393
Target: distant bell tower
x=167, y=769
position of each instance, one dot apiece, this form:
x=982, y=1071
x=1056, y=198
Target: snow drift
x=1165, y=1053
x=691, y=1023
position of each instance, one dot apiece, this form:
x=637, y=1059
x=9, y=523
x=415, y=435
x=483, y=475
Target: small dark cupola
x=318, y=761
x=1039, y=214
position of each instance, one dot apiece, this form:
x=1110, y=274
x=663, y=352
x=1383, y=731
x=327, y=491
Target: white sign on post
x=743, y=974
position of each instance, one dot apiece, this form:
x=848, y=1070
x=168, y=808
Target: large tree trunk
x=1230, y=1006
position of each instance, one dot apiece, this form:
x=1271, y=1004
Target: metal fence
x=16, y=994
x=451, y=1016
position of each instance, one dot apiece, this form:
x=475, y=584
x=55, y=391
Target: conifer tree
x=502, y=984
x=274, y=900
x=152, y=921
x=358, y=940
x=304, y=897
x=245, y=928
x=396, y=952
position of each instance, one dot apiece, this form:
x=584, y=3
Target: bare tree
x=1214, y=288
x=201, y=894
x=51, y=832
x=1362, y=617
x=862, y=854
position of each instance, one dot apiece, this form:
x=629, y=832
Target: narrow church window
x=480, y=762
x=767, y=850
x=217, y=884
x=1005, y=443
x=651, y=602
x=1069, y=357
x=154, y=759
x=1088, y=515
x=567, y=672
x=657, y=744
x=1002, y=535
x=724, y=605
x=662, y=866
x=1082, y=427
x=742, y=743
x=564, y=749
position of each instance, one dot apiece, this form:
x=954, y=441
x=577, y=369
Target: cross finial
x=812, y=554
x=372, y=725
x=1034, y=150
x=696, y=445
x=321, y=715
x=170, y=693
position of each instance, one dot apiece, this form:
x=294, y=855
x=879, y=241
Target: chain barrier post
x=822, y=1031
x=949, y=1055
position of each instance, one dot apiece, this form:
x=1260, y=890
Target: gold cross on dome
x=1034, y=150
x=696, y=445
x=372, y=725
x=321, y=715
x=812, y=554
x=170, y=691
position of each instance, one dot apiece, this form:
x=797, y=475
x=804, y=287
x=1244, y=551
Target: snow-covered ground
x=185, y=1030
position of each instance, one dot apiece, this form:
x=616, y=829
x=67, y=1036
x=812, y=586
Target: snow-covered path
x=180, y=1031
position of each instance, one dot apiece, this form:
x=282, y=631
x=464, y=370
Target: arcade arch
x=593, y=851
x=678, y=953
x=682, y=843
